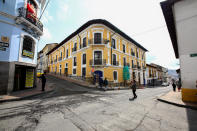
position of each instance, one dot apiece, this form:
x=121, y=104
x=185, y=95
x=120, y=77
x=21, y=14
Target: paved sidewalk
x=175, y=99
x=18, y=95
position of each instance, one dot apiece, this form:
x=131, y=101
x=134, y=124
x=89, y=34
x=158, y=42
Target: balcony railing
x=60, y=58
x=98, y=62
x=74, y=49
x=103, y=42
x=34, y=20
x=115, y=63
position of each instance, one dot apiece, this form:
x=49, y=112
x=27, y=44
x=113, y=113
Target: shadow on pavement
x=192, y=119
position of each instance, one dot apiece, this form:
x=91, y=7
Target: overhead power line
x=150, y=30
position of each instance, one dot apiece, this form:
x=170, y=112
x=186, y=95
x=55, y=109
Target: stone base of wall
x=6, y=77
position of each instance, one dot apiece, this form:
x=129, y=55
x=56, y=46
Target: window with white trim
x=66, y=53
x=74, y=71
x=97, y=38
x=66, y=69
x=28, y=47
x=84, y=71
x=114, y=62
x=84, y=59
x=113, y=43
x=124, y=48
x=84, y=42
x=74, y=61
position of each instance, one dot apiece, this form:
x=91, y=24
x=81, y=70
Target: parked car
x=165, y=84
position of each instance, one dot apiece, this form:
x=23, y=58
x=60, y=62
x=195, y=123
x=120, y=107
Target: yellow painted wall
x=189, y=95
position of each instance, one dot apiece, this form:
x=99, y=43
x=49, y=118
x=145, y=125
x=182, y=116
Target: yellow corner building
x=101, y=48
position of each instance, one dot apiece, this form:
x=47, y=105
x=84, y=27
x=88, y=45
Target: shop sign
x=4, y=39
x=28, y=53
x=193, y=55
x=3, y=44
x=2, y=49
x=29, y=78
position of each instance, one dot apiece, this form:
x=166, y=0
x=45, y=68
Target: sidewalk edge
x=25, y=97
x=179, y=105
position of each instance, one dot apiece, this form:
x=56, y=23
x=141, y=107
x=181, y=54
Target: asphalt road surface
x=74, y=108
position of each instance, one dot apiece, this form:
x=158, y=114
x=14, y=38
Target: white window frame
x=125, y=48
x=97, y=50
x=67, y=53
x=115, y=43
x=101, y=36
x=112, y=58
x=73, y=61
x=74, y=67
x=86, y=41
x=60, y=68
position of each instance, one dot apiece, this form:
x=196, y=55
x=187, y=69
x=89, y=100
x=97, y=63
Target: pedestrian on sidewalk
x=174, y=86
x=100, y=82
x=105, y=83
x=134, y=87
x=179, y=84
x=43, y=78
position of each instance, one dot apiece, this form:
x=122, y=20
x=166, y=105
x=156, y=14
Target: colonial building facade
x=101, y=48
x=43, y=60
x=155, y=74
x=20, y=30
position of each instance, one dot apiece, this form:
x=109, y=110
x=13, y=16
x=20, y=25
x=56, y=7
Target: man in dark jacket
x=105, y=83
x=43, y=78
x=134, y=86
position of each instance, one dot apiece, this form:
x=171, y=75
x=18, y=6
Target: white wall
x=185, y=13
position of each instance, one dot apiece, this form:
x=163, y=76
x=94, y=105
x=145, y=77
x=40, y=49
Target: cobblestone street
x=72, y=108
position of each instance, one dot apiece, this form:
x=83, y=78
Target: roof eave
x=97, y=21
x=166, y=7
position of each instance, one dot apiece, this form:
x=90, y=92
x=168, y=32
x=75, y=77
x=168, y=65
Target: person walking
x=43, y=78
x=179, y=84
x=100, y=82
x=133, y=87
x=105, y=83
x=174, y=86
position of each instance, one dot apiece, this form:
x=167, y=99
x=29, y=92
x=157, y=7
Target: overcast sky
x=142, y=20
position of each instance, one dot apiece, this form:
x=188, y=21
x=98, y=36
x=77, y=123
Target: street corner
x=175, y=98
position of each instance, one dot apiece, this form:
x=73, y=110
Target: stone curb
x=25, y=97
x=176, y=104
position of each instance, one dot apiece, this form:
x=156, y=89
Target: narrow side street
x=72, y=108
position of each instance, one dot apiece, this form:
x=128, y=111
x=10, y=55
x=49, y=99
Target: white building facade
x=181, y=20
